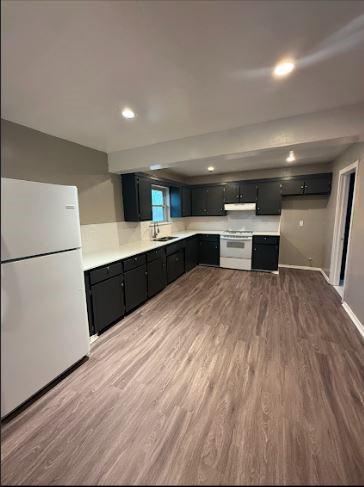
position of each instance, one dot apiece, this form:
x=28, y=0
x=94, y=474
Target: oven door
x=236, y=253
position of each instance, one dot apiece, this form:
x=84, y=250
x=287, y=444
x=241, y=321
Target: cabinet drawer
x=105, y=272
x=266, y=239
x=134, y=262
x=209, y=237
x=174, y=247
x=154, y=254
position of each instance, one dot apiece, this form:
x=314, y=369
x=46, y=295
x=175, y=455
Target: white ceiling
x=320, y=152
x=187, y=68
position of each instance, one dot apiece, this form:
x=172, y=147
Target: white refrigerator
x=44, y=327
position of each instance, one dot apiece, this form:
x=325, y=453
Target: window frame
x=165, y=206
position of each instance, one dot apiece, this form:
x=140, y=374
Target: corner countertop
x=107, y=256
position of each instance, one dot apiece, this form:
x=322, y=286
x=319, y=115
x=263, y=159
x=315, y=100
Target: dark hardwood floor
x=226, y=377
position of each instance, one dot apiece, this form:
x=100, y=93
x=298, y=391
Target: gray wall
x=354, y=288
x=35, y=156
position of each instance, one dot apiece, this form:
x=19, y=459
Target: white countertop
x=106, y=256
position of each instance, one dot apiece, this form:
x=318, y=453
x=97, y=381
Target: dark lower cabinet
x=265, y=253
x=157, y=276
x=191, y=253
x=135, y=284
x=107, y=302
x=175, y=265
x=209, y=250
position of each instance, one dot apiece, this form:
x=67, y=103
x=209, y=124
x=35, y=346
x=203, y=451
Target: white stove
x=236, y=249
x=237, y=234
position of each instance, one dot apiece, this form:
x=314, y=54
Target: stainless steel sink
x=164, y=239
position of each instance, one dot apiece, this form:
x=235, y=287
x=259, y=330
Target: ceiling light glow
x=128, y=113
x=291, y=157
x=211, y=168
x=283, y=69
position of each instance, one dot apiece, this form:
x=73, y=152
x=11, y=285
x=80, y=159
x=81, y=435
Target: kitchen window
x=160, y=206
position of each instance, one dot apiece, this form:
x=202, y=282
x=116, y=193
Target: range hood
x=240, y=206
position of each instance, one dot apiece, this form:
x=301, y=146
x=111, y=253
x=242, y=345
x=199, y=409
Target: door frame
x=339, y=225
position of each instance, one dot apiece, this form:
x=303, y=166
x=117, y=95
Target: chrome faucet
x=155, y=230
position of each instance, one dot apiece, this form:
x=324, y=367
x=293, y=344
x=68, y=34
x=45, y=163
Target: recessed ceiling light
x=291, y=157
x=283, y=69
x=128, y=113
x=211, y=168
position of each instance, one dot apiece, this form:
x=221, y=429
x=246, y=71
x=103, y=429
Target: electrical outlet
x=301, y=223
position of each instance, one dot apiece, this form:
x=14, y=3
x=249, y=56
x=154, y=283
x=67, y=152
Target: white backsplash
x=100, y=236
x=235, y=220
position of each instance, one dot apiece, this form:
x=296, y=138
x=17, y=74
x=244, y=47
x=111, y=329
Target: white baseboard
x=353, y=318
x=302, y=267
x=325, y=276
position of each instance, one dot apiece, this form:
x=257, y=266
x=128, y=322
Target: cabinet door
x=209, y=252
x=175, y=265
x=198, y=202
x=232, y=192
x=319, y=185
x=215, y=200
x=248, y=192
x=135, y=287
x=145, y=199
x=191, y=253
x=269, y=198
x=157, y=277
x=292, y=187
x=186, y=201
x=107, y=302
x=265, y=257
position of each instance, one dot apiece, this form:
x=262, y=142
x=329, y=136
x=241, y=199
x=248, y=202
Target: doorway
x=343, y=221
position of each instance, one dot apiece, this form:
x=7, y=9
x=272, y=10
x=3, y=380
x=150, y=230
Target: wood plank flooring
x=226, y=377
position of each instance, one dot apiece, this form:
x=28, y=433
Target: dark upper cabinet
x=137, y=197
x=265, y=253
x=107, y=302
x=157, y=276
x=248, y=192
x=318, y=184
x=208, y=201
x=292, y=187
x=175, y=265
x=180, y=200
x=268, y=198
x=191, y=253
x=198, y=202
x=209, y=250
x=243, y=192
x=145, y=199
x=186, y=201
x=215, y=200
x=232, y=193
x=135, y=284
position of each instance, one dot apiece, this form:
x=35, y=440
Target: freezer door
x=37, y=218
x=44, y=326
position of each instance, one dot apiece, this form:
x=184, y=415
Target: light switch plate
x=301, y=223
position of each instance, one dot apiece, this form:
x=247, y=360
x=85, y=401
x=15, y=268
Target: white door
x=37, y=218
x=44, y=326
